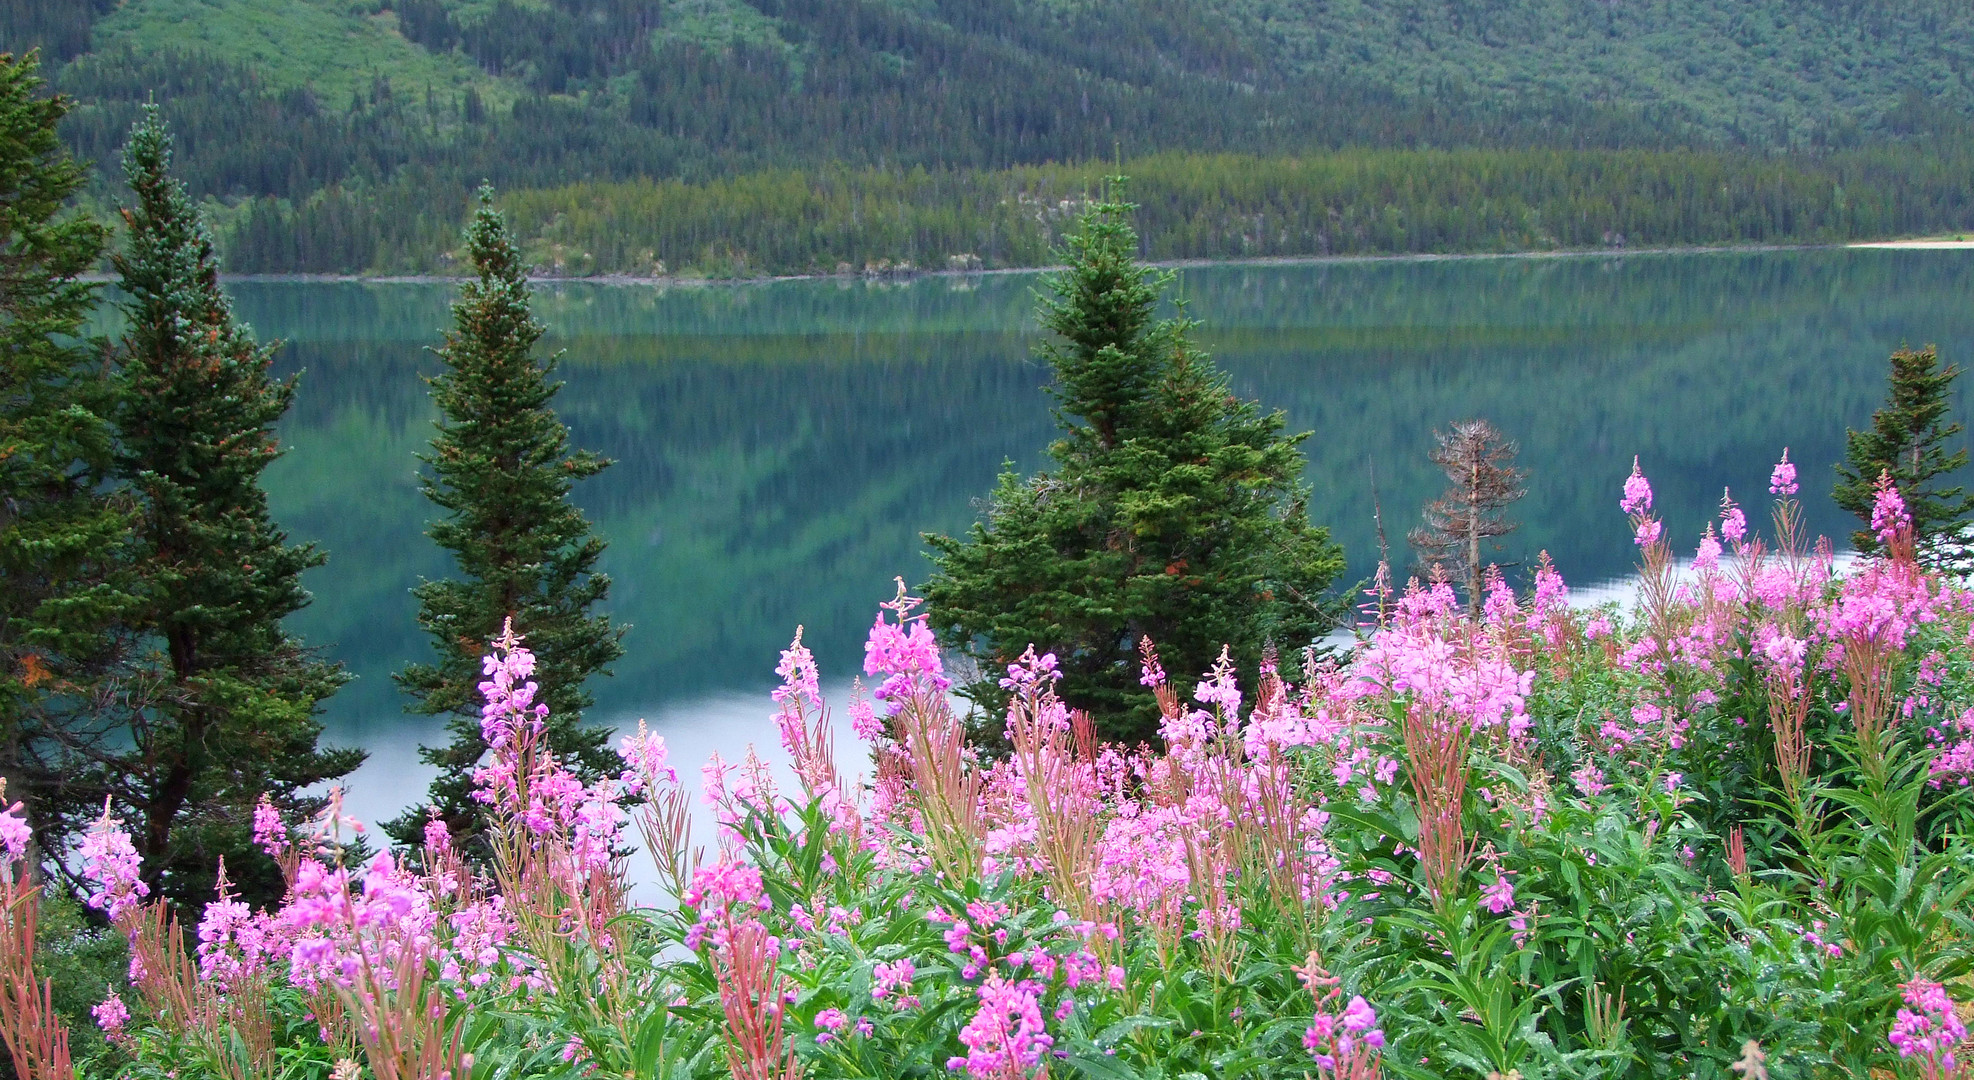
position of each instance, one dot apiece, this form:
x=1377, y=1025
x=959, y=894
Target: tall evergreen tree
x=223, y=699
x=61, y=536
x=1909, y=438
x=1174, y=511
x=502, y=471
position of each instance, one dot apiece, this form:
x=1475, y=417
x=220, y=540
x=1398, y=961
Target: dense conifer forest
x=742, y=137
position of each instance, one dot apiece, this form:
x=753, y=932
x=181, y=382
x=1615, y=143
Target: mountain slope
x=1755, y=71
x=349, y=132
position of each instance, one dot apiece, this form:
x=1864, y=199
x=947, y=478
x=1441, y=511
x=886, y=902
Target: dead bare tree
x=1480, y=462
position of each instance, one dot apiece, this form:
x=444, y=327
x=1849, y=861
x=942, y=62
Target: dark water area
x=781, y=447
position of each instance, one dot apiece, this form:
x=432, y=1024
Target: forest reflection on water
x=780, y=447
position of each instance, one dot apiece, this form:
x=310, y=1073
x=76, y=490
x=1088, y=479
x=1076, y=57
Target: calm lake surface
x=780, y=447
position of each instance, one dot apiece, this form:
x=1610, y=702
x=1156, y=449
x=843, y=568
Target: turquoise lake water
x=781, y=447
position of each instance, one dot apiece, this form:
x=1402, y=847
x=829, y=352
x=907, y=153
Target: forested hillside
x=345, y=135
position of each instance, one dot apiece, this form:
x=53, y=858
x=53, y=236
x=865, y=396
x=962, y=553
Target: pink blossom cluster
x=344, y=936
x=270, y=832
x=509, y=692
x=1007, y=1038
x=905, y=653
x=1782, y=478
x=14, y=832
x=111, y=865
x=1333, y=1039
x=1955, y=760
x=1928, y=1029
x=647, y=762
x=723, y=896
x=1637, y=491
x=1443, y=668
x=1889, y=517
x=893, y=981
x=530, y=789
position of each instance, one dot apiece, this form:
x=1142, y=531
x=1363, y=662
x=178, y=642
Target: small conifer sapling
x=1909, y=440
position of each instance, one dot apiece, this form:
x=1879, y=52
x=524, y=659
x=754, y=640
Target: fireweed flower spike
x=111, y=1016
x=1707, y=558
x=1344, y=1045
x=110, y=863
x=1733, y=523
x=1782, y=479
x=270, y=833
x=904, y=652
x=14, y=833
x=1928, y=1029
x=1889, y=517
x=1006, y=1039
x=1637, y=491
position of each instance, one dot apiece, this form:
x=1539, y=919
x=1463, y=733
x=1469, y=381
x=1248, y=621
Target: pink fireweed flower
x=1928, y=1029
x=1500, y=605
x=1153, y=673
x=725, y=895
x=889, y=978
x=510, y=698
x=110, y=862
x=1782, y=479
x=831, y=1021
x=1220, y=687
x=1889, y=516
x=479, y=934
x=1733, y=523
x=599, y=826
x=14, y=832
x=797, y=669
x=1487, y=691
x=1006, y=1038
x=1551, y=594
x=111, y=1016
x=233, y=941
x=1498, y=896
x=1648, y=532
x=713, y=779
x=1956, y=760
x=1708, y=556
x=905, y=653
x=1343, y=1045
x=863, y=718
x=438, y=838
x=1420, y=604
x=647, y=761
x=1031, y=674
x=270, y=833
x=1783, y=652
x=1637, y=491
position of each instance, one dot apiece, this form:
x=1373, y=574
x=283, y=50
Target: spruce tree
x=62, y=537
x=1173, y=511
x=1908, y=438
x=223, y=698
x=501, y=469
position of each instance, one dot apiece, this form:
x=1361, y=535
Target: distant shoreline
x=1937, y=243
x=682, y=281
